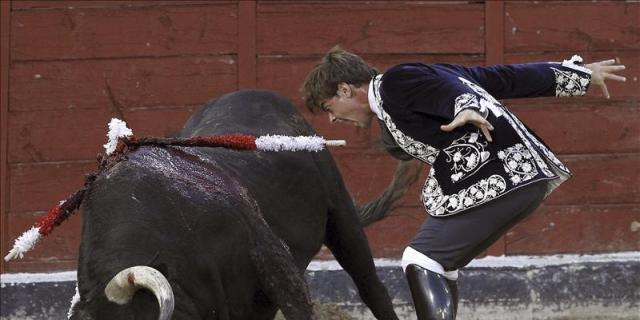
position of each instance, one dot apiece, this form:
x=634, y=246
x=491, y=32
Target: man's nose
x=332, y=118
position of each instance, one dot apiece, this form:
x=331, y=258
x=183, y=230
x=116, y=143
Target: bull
x=227, y=233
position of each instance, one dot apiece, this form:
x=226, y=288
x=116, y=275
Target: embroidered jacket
x=415, y=99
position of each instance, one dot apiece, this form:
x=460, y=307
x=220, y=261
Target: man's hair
x=336, y=66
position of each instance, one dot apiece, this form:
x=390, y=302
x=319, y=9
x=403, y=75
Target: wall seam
x=247, y=44
x=5, y=38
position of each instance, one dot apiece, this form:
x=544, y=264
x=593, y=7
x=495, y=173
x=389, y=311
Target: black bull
x=232, y=231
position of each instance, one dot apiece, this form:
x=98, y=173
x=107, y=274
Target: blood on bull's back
x=164, y=208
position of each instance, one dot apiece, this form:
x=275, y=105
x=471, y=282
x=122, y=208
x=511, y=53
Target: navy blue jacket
x=415, y=99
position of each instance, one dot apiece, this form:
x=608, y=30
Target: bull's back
x=176, y=211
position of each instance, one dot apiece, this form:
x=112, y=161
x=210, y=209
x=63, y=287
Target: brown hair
x=336, y=66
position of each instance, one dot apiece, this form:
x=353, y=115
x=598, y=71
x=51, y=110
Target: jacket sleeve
x=569, y=78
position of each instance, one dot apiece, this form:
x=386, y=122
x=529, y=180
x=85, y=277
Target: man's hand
x=602, y=70
x=473, y=117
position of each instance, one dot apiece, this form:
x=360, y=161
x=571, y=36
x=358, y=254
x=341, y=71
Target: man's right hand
x=473, y=117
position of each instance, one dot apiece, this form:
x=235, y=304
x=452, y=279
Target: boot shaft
x=432, y=295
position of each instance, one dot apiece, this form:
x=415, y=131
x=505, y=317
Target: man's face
x=349, y=106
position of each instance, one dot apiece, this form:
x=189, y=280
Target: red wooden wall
x=69, y=66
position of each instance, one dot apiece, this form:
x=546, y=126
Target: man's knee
x=413, y=256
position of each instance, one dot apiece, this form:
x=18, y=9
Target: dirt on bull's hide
x=324, y=312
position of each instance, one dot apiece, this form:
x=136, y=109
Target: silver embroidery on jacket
x=438, y=204
x=550, y=155
x=486, y=101
x=522, y=131
x=467, y=154
x=524, y=134
x=518, y=163
x=415, y=148
x=466, y=101
x=570, y=83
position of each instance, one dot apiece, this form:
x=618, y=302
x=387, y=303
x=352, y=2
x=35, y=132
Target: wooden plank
x=620, y=91
x=577, y=229
x=159, y=122
x=62, y=135
x=120, y=84
x=44, y=266
x=378, y=27
x=367, y=174
x=39, y=187
x=567, y=129
x=585, y=128
x=389, y=237
x=571, y=25
x=57, y=248
x=597, y=179
x=600, y=179
x=247, y=44
x=364, y=185
x=548, y=230
x=120, y=32
x=80, y=133
x=33, y=131
x=286, y=74
x=494, y=37
x=70, y=5
x=5, y=38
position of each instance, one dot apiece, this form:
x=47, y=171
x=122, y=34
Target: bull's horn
x=124, y=285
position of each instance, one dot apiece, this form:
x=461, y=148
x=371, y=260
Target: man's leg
x=448, y=243
x=503, y=215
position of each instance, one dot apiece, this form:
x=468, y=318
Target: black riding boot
x=432, y=297
x=453, y=288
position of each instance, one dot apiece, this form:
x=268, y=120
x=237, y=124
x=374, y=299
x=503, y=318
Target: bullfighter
x=488, y=169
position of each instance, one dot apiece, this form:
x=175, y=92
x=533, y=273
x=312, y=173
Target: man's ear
x=344, y=90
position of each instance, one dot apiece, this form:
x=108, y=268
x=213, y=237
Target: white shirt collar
x=373, y=103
